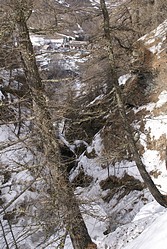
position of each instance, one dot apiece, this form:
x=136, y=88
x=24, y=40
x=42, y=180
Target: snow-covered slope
x=118, y=210
x=153, y=139
x=153, y=132
x=144, y=226
x=155, y=234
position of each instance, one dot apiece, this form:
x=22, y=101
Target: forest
x=83, y=124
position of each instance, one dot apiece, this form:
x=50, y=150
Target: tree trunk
x=160, y=198
x=65, y=196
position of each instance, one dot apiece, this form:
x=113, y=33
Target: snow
x=95, y=217
x=139, y=228
x=39, y=40
x=68, y=243
x=1, y=96
x=123, y=79
x=154, y=236
x=80, y=28
x=145, y=225
x=155, y=39
x=4, y=131
x=125, y=166
x=150, y=221
x=63, y=2
x=150, y=210
x=162, y=99
x=97, y=98
x=97, y=143
x=95, y=2
x=151, y=158
x=156, y=126
x=99, y=221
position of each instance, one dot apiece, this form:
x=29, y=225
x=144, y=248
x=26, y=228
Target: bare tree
x=160, y=198
x=67, y=202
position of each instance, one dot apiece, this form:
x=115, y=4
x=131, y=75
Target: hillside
x=150, y=122
x=71, y=55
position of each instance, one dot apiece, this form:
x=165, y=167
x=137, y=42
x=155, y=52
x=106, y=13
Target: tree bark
x=160, y=198
x=72, y=217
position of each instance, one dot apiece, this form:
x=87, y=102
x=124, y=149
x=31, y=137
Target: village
x=62, y=44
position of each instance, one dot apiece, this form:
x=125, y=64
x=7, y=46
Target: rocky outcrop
x=150, y=50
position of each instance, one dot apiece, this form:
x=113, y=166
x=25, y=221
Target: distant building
x=78, y=44
x=71, y=43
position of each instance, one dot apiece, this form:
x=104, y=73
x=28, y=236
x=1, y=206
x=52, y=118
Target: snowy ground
x=140, y=228
x=146, y=228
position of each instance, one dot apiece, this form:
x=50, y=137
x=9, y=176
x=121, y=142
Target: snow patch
x=157, y=36
x=156, y=126
x=154, y=236
x=123, y=79
x=162, y=99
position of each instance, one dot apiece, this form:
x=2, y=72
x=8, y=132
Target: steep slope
x=152, y=54
x=153, y=137
x=109, y=191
